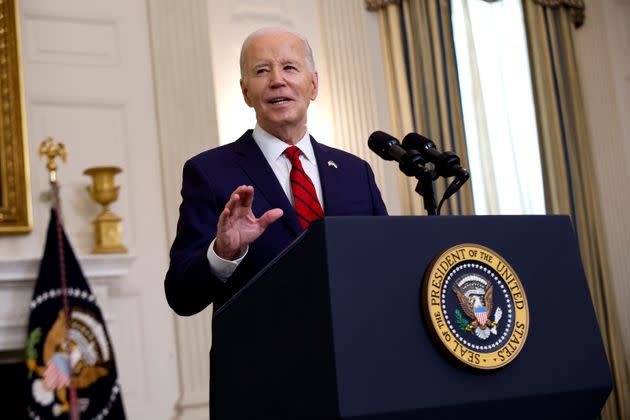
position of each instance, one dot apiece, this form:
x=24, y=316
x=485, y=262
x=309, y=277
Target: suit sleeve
x=190, y=285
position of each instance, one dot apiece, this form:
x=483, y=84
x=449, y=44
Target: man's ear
x=315, y=85
x=245, y=92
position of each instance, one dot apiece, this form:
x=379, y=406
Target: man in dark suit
x=220, y=242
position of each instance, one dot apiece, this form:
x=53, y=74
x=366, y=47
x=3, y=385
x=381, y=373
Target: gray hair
x=310, y=61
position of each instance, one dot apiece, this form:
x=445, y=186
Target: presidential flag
x=69, y=355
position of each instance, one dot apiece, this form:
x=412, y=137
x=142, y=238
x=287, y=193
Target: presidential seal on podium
x=475, y=306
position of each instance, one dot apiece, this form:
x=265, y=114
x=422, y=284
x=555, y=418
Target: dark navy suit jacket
x=208, y=181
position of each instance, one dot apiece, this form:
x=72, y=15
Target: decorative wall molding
x=278, y=12
x=71, y=40
x=94, y=266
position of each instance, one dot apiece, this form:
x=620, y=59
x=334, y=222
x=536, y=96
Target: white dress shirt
x=273, y=150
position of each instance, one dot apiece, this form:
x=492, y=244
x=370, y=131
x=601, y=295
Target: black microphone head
x=415, y=141
x=380, y=142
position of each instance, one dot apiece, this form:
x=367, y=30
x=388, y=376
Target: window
x=498, y=107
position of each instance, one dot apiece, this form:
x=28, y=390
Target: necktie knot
x=293, y=153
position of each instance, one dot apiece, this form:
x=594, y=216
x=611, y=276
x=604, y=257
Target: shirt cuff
x=220, y=267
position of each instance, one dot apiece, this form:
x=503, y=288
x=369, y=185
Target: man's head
x=278, y=80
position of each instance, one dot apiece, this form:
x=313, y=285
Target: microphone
x=388, y=147
x=447, y=164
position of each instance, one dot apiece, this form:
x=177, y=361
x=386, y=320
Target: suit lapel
x=253, y=162
x=327, y=174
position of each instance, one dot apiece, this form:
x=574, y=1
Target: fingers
x=242, y=196
x=246, y=193
x=269, y=217
x=239, y=208
x=223, y=218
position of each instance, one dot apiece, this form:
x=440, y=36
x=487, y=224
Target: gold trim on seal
x=437, y=318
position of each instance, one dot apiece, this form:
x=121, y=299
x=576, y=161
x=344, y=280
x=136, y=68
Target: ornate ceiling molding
x=373, y=5
x=576, y=8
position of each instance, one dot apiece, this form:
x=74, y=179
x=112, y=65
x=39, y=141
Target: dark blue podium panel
x=333, y=328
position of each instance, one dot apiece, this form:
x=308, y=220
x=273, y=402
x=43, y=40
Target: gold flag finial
x=51, y=149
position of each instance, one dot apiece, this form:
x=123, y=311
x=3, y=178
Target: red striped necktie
x=305, y=199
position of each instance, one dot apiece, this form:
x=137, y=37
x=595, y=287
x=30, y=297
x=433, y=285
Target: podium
x=333, y=328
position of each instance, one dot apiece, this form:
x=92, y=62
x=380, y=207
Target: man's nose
x=276, y=78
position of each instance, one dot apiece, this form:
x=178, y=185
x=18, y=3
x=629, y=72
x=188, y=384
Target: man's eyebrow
x=283, y=62
x=291, y=62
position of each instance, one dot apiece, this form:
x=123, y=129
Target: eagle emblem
x=474, y=294
x=83, y=358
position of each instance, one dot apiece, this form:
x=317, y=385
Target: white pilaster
x=184, y=91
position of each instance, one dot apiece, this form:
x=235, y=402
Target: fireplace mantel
x=17, y=279
x=93, y=266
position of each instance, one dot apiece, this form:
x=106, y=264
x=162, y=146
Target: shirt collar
x=272, y=147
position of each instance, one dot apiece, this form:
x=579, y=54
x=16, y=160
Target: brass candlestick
x=107, y=225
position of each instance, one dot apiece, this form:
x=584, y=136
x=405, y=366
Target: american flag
x=482, y=315
x=57, y=373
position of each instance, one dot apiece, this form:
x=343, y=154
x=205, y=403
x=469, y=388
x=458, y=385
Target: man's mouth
x=279, y=100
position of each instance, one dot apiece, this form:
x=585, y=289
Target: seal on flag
x=69, y=355
x=475, y=306
x=88, y=359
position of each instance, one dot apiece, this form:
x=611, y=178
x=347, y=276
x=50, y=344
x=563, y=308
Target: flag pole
x=51, y=150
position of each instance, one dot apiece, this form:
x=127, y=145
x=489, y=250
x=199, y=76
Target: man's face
x=277, y=81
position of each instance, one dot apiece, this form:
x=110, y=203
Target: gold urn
x=107, y=225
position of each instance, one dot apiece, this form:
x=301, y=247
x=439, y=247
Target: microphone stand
x=412, y=164
x=426, y=190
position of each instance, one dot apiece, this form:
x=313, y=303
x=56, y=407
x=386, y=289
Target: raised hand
x=238, y=227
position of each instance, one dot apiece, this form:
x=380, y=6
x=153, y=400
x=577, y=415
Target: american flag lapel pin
x=332, y=164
